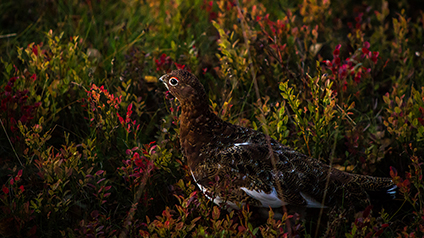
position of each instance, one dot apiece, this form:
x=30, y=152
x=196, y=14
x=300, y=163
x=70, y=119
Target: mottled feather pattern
x=235, y=165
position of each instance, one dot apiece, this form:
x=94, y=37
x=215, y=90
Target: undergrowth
x=89, y=139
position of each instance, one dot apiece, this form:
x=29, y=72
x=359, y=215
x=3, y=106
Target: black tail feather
x=388, y=193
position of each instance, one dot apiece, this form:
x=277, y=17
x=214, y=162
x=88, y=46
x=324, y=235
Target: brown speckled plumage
x=233, y=164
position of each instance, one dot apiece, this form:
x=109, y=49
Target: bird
x=234, y=165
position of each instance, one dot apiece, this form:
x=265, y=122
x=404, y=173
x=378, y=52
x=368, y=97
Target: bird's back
x=249, y=161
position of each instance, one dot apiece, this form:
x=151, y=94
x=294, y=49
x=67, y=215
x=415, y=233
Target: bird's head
x=184, y=86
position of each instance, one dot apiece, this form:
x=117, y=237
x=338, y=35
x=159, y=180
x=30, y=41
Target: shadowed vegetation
x=89, y=139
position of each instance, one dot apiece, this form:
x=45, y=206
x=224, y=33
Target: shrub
x=91, y=147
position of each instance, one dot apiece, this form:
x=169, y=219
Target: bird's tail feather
x=378, y=188
x=388, y=193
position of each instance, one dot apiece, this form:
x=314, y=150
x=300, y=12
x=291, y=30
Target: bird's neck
x=194, y=111
x=196, y=120
x=198, y=126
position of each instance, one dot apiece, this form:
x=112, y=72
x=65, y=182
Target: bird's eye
x=173, y=81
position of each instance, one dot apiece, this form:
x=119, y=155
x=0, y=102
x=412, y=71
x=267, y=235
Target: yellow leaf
x=151, y=79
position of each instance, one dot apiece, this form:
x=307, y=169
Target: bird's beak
x=163, y=81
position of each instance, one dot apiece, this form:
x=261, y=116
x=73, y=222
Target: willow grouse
x=234, y=165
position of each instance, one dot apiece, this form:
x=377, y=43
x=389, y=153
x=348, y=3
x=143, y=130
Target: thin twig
x=8, y=35
x=13, y=148
x=263, y=119
x=130, y=217
x=327, y=182
x=347, y=116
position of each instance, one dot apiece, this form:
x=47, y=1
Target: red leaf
x=385, y=64
x=366, y=44
x=101, y=180
x=365, y=50
x=35, y=50
x=328, y=63
x=337, y=60
x=5, y=190
x=8, y=88
x=393, y=172
x=336, y=52
x=136, y=156
x=121, y=120
x=421, y=121
x=367, y=211
x=379, y=232
x=99, y=172
x=12, y=79
x=32, y=231
x=95, y=214
x=406, y=183
x=33, y=77
x=179, y=66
